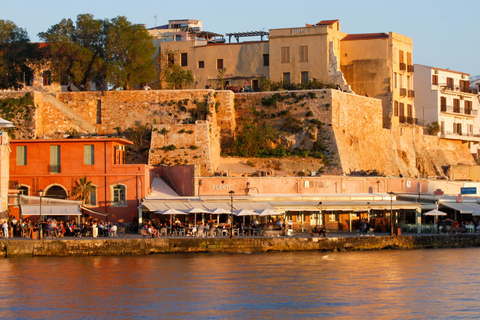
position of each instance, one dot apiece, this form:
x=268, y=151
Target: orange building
x=56, y=166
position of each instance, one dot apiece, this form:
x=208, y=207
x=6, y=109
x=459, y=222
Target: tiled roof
x=365, y=36
x=327, y=22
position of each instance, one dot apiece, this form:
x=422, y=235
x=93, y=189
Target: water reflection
x=383, y=284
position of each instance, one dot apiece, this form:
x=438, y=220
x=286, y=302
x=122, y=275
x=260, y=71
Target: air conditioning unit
x=436, y=71
x=463, y=76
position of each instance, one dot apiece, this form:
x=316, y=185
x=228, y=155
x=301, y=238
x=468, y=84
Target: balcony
x=410, y=68
x=402, y=66
x=456, y=88
x=403, y=92
x=411, y=94
x=466, y=136
x=458, y=110
x=410, y=120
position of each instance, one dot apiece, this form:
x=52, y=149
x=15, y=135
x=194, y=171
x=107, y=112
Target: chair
x=236, y=232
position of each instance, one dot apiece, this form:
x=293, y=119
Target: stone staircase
x=74, y=117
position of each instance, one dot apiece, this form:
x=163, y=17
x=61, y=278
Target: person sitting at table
x=322, y=231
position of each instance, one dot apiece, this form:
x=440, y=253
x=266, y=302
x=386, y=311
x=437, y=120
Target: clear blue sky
x=446, y=34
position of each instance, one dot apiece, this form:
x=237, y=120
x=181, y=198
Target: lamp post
x=391, y=213
x=231, y=208
x=40, y=193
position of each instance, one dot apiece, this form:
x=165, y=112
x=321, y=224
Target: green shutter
x=88, y=155
x=21, y=155
x=54, y=159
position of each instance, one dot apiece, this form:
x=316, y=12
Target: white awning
x=462, y=207
x=157, y=205
x=48, y=210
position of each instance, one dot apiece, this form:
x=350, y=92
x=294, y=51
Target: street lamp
x=391, y=213
x=231, y=207
x=40, y=193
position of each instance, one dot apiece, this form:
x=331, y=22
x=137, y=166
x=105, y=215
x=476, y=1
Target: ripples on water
x=381, y=284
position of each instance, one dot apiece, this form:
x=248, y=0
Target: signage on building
x=472, y=190
x=438, y=192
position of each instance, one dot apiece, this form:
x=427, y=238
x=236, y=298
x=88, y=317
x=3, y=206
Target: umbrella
x=435, y=213
x=245, y=212
x=195, y=211
x=268, y=212
x=170, y=211
x=476, y=213
x=221, y=211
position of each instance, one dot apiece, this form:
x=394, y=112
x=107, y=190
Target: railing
x=412, y=120
x=403, y=92
x=452, y=87
x=458, y=110
x=463, y=134
x=411, y=93
x=54, y=169
x=402, y=66
x=410, y=68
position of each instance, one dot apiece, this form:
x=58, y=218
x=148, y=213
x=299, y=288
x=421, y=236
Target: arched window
x=56, y=192
x=119, y=195
x=23, y=190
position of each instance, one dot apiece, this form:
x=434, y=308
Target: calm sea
x=419, y=284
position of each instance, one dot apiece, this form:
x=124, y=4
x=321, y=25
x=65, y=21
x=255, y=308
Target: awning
x=462, y=207
x=156, y=205
x=48, y=210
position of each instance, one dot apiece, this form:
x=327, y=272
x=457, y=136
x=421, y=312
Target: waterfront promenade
x=135, y=244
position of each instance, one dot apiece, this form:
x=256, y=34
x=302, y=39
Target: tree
x=77, y=51
x=17, y=55
x=129, y=51
x=82, y=190
x=99, y=51
x=178, y=78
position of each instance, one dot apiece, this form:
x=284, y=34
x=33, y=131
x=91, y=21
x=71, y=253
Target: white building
x=444, y=96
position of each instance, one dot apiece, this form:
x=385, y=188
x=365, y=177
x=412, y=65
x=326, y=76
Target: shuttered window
x=285, y=58
x=54, y=159
x=303, y=53
x=21, y=155
x=88, y=154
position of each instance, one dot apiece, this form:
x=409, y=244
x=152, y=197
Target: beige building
x=377, y=65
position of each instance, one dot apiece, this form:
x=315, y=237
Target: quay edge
x=120, y=247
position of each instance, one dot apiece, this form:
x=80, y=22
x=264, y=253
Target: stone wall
x=118, y=247
x=348, y=126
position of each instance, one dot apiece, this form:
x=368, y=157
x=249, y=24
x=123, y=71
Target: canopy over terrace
x=30, y=206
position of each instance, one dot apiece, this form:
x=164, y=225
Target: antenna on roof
x=155, y=21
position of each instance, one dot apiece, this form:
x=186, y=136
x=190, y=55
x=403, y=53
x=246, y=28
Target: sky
x=445, y=34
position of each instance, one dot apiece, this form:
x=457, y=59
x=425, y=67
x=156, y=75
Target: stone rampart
x=118, y=247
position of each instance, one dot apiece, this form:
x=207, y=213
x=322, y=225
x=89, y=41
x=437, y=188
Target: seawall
x=118, y=247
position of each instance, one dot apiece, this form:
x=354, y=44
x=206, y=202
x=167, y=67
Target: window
x=21, y=155
x=331, y=217
x=468, y=107
x=266, y=60
x=178, y=37
x=285, y=55
x=303, y=53
x=450, y=83
x=396, y=80
x=456, y=105
x=304, y=77
x=54, y=159
x=99, y=111
x=201, y=64
x=409, y=111
x=442, y=127
x=88, y=154
x=402, y=110
x=443, y=104
x=92, y=197
x=219, y=64
x=286, y=77
x=395, y=110
x=23, y=190
x=400, y=57
x=435, y=79
x=184, y=57
x=119, y=195
x=47, y=78
x=457, y=128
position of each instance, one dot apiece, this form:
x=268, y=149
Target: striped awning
x=49, y=210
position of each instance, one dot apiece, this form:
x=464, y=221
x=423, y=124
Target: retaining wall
x=117, y=247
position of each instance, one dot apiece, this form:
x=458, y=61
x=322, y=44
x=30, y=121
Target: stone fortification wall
x=348, y=127
x=117, y=247
x=364, y=145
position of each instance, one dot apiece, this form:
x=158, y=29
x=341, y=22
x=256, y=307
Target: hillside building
x=444, y=96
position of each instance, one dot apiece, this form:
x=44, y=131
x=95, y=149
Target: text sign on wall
x=468, y=190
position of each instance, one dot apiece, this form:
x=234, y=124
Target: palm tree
x=82, y=190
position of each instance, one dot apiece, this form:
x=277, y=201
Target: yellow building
x=377, y=65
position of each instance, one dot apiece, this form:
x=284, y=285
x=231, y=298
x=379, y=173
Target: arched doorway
x=56, y=192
